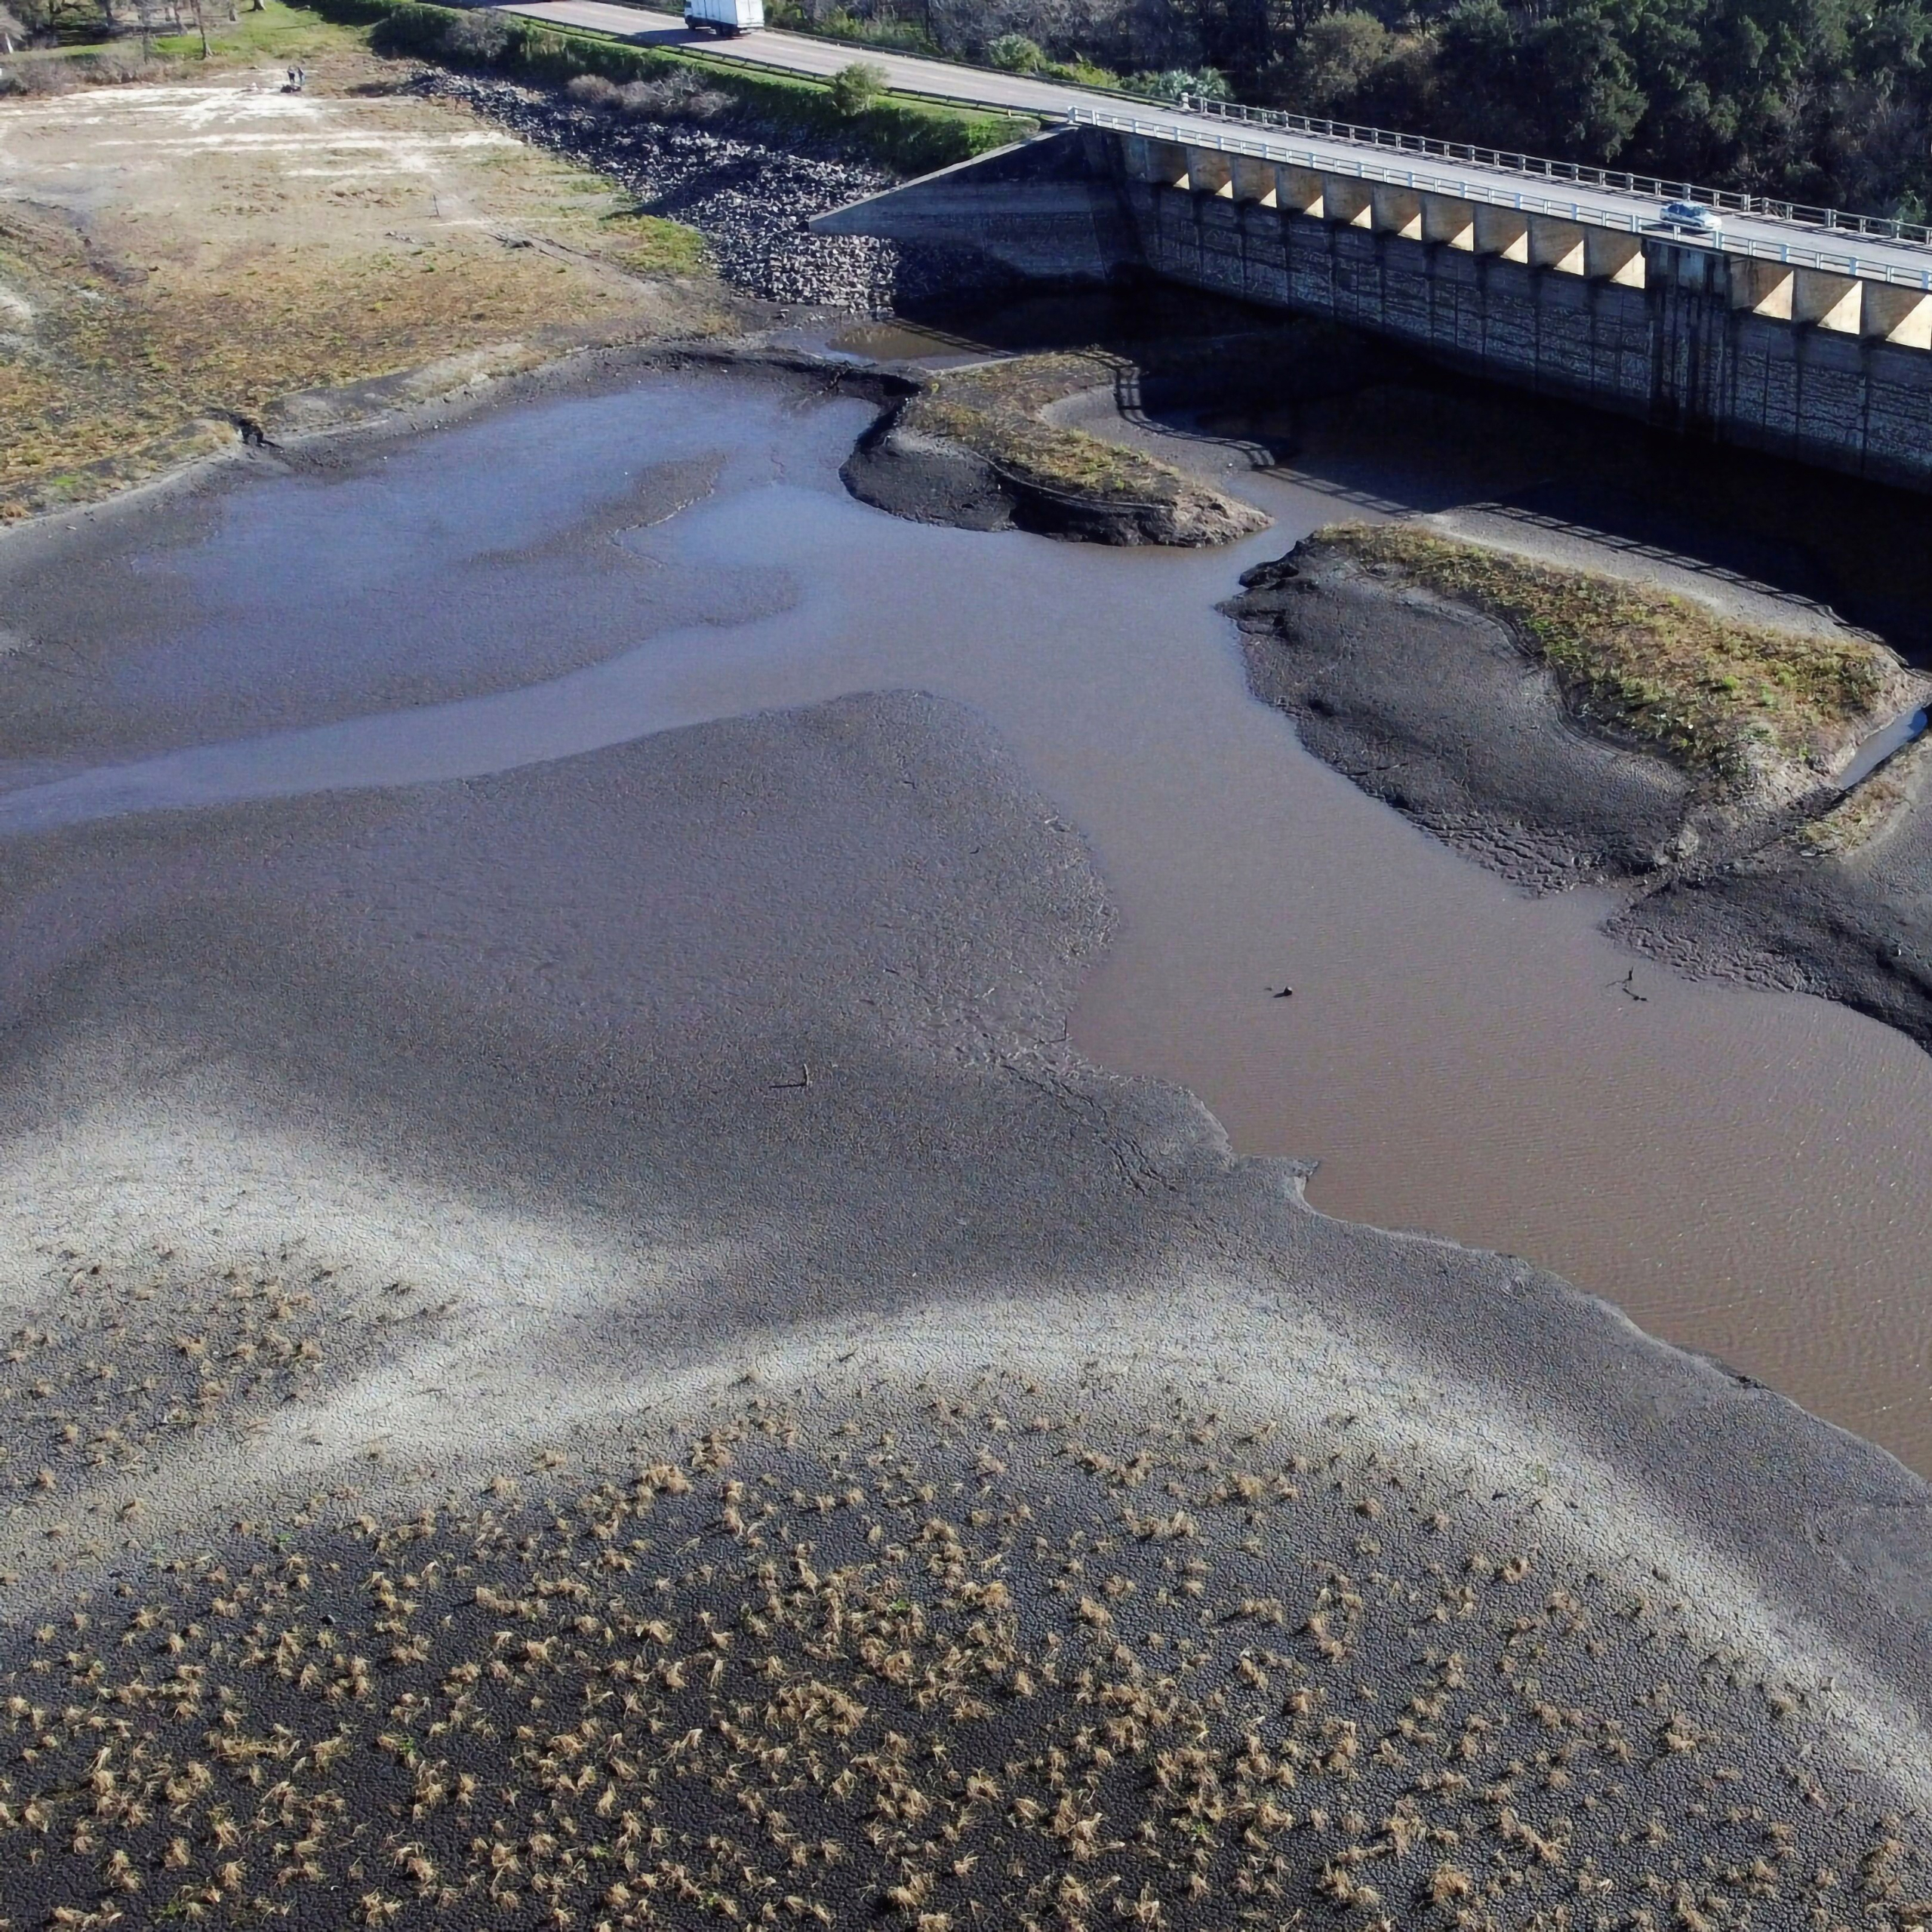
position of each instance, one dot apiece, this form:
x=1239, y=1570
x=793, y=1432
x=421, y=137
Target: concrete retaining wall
x=1806, y=365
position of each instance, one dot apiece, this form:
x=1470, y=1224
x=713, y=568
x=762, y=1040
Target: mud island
x=1570, y=725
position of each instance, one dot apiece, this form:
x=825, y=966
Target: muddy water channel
x=1740, y=1171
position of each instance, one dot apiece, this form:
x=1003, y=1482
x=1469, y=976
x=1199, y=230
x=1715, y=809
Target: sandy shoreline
x=552, y=1104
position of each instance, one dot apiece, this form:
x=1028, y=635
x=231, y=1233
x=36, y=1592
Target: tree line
x=1827, y=101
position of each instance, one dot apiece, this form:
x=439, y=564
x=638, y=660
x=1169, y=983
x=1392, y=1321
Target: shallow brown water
x=1740, y=1170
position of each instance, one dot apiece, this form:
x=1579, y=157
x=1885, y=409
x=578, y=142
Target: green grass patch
x=648, y=244
x=281, y=33
x=908, y=136
x=1708, y=690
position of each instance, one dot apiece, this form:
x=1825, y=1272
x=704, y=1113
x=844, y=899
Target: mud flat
x=577, y=1341
x=562, y=1354
x=1842, y=908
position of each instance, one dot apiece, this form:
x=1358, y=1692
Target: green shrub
x=1204, y=83
x=1080, y=73
x=857, y=88
x=1015, y=54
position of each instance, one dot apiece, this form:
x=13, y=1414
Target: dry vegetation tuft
x=993, y=1663
x=997, y=410
x=1712, y=691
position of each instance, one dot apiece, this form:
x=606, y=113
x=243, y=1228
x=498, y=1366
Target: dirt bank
x=974, y=447
x=1004, y=444
x=195, y=264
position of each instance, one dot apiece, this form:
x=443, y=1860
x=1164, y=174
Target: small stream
x=1740, y=1171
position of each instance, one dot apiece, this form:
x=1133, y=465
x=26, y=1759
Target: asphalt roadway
x=1762, y=236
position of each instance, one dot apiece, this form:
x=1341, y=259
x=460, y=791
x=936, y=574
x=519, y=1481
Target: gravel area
x=749, y=201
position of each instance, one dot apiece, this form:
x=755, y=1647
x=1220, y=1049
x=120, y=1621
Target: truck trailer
x=725, y=17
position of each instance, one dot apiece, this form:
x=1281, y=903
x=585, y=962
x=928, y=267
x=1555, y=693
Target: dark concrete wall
x=1680, y=351
x=1675, y=353
x=1046, y=208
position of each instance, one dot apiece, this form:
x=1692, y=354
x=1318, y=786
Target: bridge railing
x=1496, y=194
x=1837, y=221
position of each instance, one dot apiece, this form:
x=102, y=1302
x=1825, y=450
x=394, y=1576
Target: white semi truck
x=725, y=17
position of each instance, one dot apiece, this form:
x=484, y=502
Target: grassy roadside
x=905, y=134
x=1712, y=692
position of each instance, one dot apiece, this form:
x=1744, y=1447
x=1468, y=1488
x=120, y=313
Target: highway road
x=1803, y=244
x=801, y=53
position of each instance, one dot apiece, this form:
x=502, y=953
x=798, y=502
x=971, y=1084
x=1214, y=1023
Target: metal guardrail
x=1495, y=195
x=1912, y=234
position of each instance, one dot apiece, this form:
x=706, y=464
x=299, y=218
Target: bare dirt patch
x=174, y=259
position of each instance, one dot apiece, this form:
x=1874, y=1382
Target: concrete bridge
x=1801, y=331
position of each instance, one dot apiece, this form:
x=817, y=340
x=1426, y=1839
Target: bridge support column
x=1347, y=200
x=1502, y=231
x=1556, y=244
x=1209, y=173
x=1396, y=212
x=1900, y=315
x=1449, y=221
x=1254, y=180
x=1610, y=257
x=1830, y=301
x=1764, y=287
x=1166, y=164
x=1301, y=190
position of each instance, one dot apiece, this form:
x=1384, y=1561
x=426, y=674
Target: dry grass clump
x=680, y=95
x=114, y=1369
x=996, y=411
x=998, y=1666
x=41, y=74
x=1712, y=692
